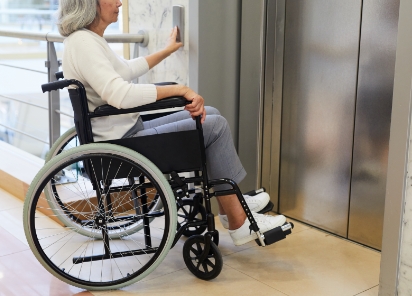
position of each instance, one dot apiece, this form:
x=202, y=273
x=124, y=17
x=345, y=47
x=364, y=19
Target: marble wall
x=155, y=16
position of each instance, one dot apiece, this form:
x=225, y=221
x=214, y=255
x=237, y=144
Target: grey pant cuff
x=238, y=178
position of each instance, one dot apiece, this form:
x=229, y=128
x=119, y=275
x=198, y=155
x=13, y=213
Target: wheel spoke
x=75, y=251
x=199, y=247
x=205, y=267
x=184, y=211
x=208, y=262
x=196, y=252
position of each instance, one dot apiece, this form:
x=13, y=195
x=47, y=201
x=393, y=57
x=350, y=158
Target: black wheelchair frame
x=172, y=158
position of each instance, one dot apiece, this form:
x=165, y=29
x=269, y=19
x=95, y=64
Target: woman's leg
x=223, y=162
x=221, y=155
x=229, y=205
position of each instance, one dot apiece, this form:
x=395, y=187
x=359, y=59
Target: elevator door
x=320, y=74
x=372, y=122
x=338, y=67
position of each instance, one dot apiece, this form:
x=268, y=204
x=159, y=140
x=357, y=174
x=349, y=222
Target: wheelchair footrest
x=276, y=234
x=267, y=209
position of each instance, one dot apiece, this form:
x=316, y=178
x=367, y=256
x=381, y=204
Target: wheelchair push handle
x=56, y=85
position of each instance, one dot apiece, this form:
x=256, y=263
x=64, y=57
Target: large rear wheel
x=113, y=194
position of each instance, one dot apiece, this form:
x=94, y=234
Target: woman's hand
x=197, y=105
x=172, y=45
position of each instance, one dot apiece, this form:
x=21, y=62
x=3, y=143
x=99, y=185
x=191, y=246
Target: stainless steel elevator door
x=373, y=119
x=319, y=94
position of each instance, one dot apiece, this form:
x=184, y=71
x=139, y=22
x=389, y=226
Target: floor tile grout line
x=255, y=279
x=235, y=252
x=21, y=227
x=13, y=208
x=156, y=277
x=367, y=290
x=1, y=256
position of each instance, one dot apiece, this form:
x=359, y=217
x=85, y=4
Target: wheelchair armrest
x=171, y=102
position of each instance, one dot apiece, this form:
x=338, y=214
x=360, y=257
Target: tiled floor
x=308, y=262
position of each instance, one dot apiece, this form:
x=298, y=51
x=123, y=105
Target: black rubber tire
x=211, y=267
x=184, y=210
x=67, y=253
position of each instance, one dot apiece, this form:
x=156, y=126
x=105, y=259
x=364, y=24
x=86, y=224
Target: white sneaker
x=244, y=235
x=255, y=203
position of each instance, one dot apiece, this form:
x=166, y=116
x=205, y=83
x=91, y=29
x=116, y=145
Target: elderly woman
x=107, y=79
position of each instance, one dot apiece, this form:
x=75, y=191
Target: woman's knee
x=215, y=127
x=211, y=111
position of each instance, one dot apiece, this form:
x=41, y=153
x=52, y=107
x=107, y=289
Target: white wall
x=155, y=16
x=396, y=258
x=405, y=258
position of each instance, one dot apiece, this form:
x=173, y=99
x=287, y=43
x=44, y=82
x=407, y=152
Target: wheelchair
x=103, y=215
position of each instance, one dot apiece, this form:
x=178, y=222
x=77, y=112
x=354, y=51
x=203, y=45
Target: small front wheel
x=184, y=210
x=208, y=268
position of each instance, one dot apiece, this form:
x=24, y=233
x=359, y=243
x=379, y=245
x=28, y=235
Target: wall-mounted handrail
x=53, y=64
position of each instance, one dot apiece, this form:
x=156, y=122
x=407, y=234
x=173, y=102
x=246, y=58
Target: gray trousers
x=221, y=155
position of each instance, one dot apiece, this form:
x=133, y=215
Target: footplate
x=276, y=234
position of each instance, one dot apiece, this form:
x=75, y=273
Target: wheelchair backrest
x=81, y=110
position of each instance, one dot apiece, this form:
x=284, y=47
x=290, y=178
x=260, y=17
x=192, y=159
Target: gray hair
x=76, y=14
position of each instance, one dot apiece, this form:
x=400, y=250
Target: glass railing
x=29, y=119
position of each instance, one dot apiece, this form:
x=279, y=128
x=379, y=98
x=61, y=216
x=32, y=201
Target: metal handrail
x=28, y=11
x=22, y=68
x=141, y=37
x=23, y=102
x=23, y=133
x=53, y=64
x=64, y=113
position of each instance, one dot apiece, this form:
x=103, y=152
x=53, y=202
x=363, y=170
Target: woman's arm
x=94, y=68
x=170, y=48
x=197, y=105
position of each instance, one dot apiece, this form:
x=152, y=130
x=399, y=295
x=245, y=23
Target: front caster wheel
x=184, y=210
x=207, y=268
